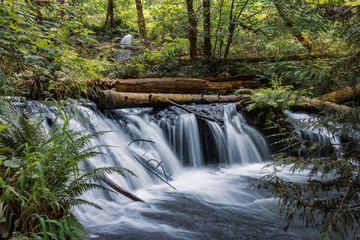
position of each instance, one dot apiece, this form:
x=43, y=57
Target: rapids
x=210, y=165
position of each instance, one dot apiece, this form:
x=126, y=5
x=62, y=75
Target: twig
x=162, y=167
x=153, y=172
x=141, y=140
x=196, y=113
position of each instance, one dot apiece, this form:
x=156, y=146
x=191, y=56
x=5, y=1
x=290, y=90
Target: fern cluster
x=40, y=179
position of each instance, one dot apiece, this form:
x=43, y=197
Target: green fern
x=40, y=177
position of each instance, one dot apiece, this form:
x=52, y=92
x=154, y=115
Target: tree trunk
x=108, y=12
x=343, y=95
x=63, y=14
x=207, y=28
x=291, y=24
x=112, y=19
x=232, y=26
x=109, y=99
x=230, y=39
x=141, y=19
x=185, y=85
x=218, y=29
x=192, y=28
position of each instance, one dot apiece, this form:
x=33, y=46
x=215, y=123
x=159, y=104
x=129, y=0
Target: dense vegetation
x=60, y=49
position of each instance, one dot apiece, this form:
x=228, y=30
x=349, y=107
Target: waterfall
x=122, y=54
x=127, y=39
x=211, y=166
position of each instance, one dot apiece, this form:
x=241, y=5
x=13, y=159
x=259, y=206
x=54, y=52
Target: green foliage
x=330, y=195
x=160, y=62
x=124, y=71
x=7, y=84
x=38, y=39
x=41, y=179
x=269, y=104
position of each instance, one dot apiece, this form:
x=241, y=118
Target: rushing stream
x=211, y=166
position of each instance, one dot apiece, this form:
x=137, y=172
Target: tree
x=234, y=19
x=330, y=195
x=207, y=28
x=290, y=24
x=192, y=28
x=110, y=15
x=219, y=29
x=141, y=19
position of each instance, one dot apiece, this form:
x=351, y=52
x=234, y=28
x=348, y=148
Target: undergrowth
x=41, y=175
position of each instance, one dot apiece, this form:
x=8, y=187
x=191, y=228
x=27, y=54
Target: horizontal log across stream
x=186, y=85
x=109, y=99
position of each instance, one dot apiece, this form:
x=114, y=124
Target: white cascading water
x=127, y=39
x=122, y=54
x=211, y=201
x=314, y=135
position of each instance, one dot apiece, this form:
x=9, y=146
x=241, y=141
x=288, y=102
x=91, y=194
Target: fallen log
x=114, y=186
x=320, y=105
x=186, y=85
x=109, y=99
x=343, y=95
x=293, y=57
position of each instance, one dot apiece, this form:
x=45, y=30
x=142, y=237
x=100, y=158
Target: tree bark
x=291, y=25
x=141, y=19
x=207, y=28
x=109, y=99
x=343, y=95
x=185, y=85
x=192, y=28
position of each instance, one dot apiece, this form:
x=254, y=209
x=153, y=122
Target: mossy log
x=186, y=85
x=319, y=105
x=343, y=95
x=109, y=99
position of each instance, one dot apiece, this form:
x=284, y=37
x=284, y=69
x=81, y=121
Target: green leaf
x=2, y=127
x=14, y=163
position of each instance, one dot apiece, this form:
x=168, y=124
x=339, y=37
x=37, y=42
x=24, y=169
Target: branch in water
x=153, y=172
x=141, y=140
x=114, y=186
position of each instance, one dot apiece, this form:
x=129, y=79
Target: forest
x=185, y=59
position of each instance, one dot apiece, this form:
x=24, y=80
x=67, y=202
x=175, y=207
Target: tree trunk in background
x=232, y=26
x=108, y=14
x=192, y=28
x=207, y=28
x=141, y=19
x=112, y=19
x=63, y=14
x=290, y=24
x=218, y=29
